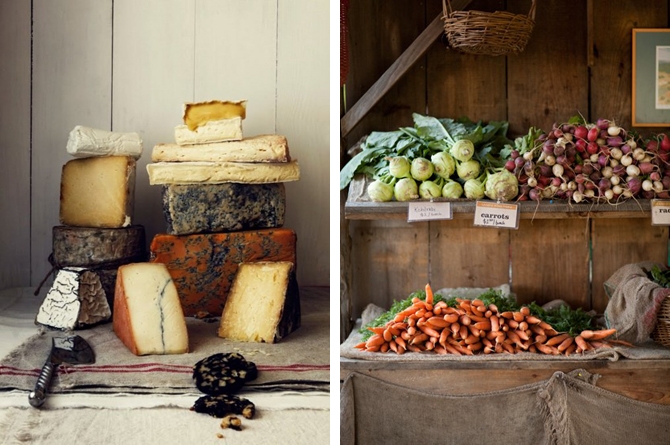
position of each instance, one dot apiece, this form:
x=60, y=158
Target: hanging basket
x=488, y=33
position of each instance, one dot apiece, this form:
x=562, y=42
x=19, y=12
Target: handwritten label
x=660, y=212
x=498, y=215
x=428, y=211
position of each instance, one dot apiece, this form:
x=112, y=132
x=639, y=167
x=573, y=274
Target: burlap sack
x=634, y=302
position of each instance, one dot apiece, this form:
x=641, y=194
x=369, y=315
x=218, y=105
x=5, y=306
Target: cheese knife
x=69, y=349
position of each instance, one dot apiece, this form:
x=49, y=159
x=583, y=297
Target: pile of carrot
x=473, y=327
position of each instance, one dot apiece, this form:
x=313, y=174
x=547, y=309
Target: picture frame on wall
x=651, y=77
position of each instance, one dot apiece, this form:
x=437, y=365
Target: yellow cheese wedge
x=199, y=113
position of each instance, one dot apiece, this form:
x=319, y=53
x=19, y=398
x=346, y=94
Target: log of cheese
x=98, y=192
x=84, y=142
x=222, y=172
x=90, y=246
x=223, y=207
x=77, y=299
x=264, y=148
x=214, y=131
x=196, y=114
x=203, y=266
x=148, y=318
x=263, y=304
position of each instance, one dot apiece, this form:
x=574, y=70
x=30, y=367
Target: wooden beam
x=398, y=69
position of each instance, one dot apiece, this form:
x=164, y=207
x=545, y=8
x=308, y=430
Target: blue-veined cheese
x=98, y=192
x=211, y=208
x=148, y=317
x=222, y=172
x=76, y=299
x=93, y=246
x=263, y=304
x=84, y=142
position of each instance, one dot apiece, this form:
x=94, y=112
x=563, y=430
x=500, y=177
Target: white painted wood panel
x=15, y=20
x=303, y=111
x=153, y=77
x=235, y=57
x=72, y=68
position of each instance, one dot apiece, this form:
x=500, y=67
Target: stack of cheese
x=224, y=203
x=96, y=234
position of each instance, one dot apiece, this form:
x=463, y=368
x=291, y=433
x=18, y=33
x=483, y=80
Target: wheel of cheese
x=91, y=247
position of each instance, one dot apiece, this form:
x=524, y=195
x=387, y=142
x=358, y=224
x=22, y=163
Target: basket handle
x=447, y=10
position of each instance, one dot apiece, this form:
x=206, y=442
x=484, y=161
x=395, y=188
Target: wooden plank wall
x=577, y=61
x=124, y=65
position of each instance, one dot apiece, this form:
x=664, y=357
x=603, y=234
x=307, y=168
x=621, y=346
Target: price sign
x=496, y=214
x=428, y=211
x=660, y=212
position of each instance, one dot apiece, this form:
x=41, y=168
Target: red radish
x=593, y=134
x=602, y=124
x=646, y=167
x=581, y=131
x=665, y=143
x=634, y=185
x=509, y=165
x=654, y=176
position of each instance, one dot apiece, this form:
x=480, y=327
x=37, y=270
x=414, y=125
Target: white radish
x=633, y=170
x=617, y=189
x=607, y=172
x=658, y=186
x=615, y=180
x=577, y=196
x=647, y=185
x=613, y=130
x=616, y=153
x=626, y=160
x=609, y=194
x=557, y=169
x=550, y=160
x=639, y=154
x=532, y=181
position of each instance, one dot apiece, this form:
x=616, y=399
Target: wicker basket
x=488, y=33
x=661, y=332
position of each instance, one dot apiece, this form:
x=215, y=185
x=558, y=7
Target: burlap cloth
x=301, y=361
x=565, y=409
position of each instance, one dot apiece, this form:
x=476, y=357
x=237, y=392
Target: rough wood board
x=619, y=242
x=72, y=85
x=465, y=256
x=379, y=33
x=389, y=261
x=642, y=383
x=465, y=84
x=611, y=54
x=548, y=81
x=15, y=19
x=550, y=260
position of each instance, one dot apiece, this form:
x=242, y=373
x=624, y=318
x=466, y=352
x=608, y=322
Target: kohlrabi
x=406, y=189
x=468, y=169
x=463, y=150
x=444, y=164
x=429, y=190
x=380, y=191
x=474, y=189
x=502, y=186
x=399, y=167
x=421, y=169
x=452, y=189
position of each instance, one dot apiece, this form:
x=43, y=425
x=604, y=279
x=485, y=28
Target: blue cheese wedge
x=222, y=172
x=76, y=300
x=213, y=208
x=148, y=317
x=99, y=247
x=84, y=142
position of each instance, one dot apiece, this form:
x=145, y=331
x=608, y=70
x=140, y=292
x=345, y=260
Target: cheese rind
x=90, y=246
x=263, y=304
x=148, y=317
x=98, y=192
x=77, y=299
x=196, y=114
x=84, y=142
x=223, y=207
x=264, y=148
x=214, y=131
x=222, y=172
x=203, y=266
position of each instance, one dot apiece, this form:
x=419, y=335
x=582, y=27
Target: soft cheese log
x=98, y=192
x=223, y=207
x=203, y=266
x=196, y=114
x=263, y=304
x=214, y=131
x=77, y=299
x=91, y=246
x=84, y=142
x=222, y=172
x=148, y=317
x=264, y=148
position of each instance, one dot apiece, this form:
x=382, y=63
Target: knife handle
x=37, y=397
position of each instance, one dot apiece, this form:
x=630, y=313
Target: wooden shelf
x=359, y=207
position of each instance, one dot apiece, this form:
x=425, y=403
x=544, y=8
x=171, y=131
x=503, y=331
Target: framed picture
x=651, y=78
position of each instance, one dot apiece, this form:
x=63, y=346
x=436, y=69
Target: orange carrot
x=384, y=347
x=429, y=294
x=393, y=346
x=525, y=310
x=518, y=316
x=565, y=344
x=598, y=335
x=388, y=336
x=558, y=339
x=465, y=320
x=483, y=325
x=495, y=324
x=429, y=331
x=401, y=342
x=451, y=318
x=531, y=319
x=375, y=340
x=360, y=345
x=582, y=344
x=377, y=329
x=438, y=322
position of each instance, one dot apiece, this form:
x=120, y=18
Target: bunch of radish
x=595, y=162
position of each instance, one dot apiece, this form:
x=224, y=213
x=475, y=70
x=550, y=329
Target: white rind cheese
x=209, y=208
x=84, y=142
x=222, y=172
x=263, y=304
x=214, y=131
x=264, y=148
x=98, y=192
x=76, y=300
x=148, y=317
